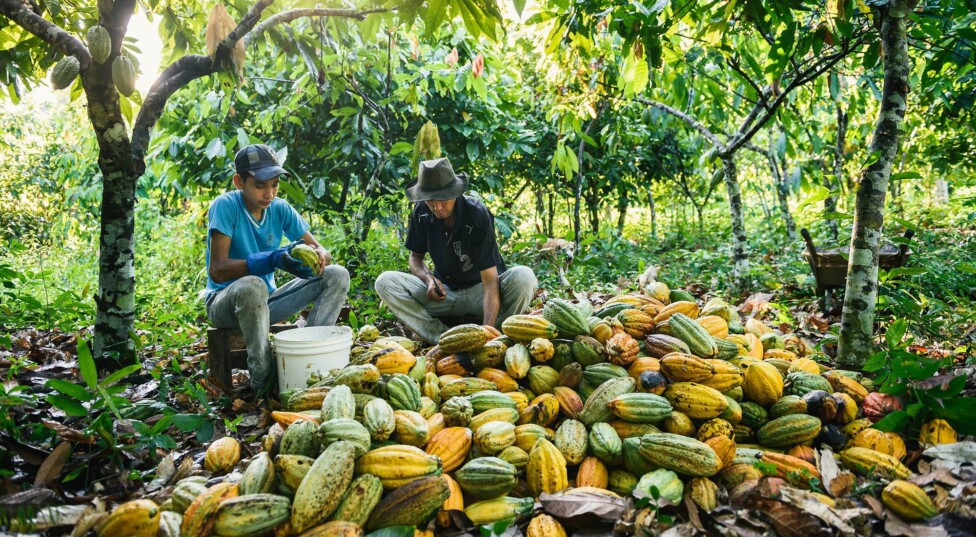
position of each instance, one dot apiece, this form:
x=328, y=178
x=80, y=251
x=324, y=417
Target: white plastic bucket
x=303, y=351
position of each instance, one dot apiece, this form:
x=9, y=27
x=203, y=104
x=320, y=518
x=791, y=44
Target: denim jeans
x=406, y=295
x=246, y=304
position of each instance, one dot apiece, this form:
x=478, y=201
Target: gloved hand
x=262, y=263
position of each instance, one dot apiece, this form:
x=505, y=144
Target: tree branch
x=760, y=94
x=290, y=15
x=46, y=31
x=746, y=132
x=694, y=123
x=193, y=66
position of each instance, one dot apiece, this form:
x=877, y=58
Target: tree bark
x=650, y=201
x=830, y=202
x=551, y=215
x=861, y=294
x=740, y=255
x=622, y=203
x=941, y=191
x=782, y=194
x=579, y=174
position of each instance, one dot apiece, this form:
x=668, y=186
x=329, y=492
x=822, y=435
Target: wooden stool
x=226, y=351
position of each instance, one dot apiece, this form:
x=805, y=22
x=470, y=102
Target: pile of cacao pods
x=649, y=395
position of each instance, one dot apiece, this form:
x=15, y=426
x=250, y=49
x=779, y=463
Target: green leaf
x=519, y=6
x=896, y=332
x=473, y=151
x=292, y=191
x=70, y=406
x=893, y=422
x=189, y=422
x=959, y=411
x=70, y=389
x=215, y=149
x=120, y=374
x=871, y=159
x=86, y=364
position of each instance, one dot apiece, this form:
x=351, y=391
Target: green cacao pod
x=789, y=430
x=486, y=477
x=359, y=501
x=99, y=43
x=569, y=320
x=571, y=441
x=604, y=443
x=345, y=429
x=251, y=514
x=667, y=483
x=681, y=454
x=595, y=408
x=124, y=75
x=300, y=439
x=378, y=419
x=259, y=477
x=338, y=404
x=410, y=504
x=64, y=72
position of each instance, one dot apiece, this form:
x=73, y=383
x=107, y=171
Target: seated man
x=244, y=249
x=469, y=278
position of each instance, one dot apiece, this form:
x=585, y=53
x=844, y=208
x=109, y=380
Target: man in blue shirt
x=469, y=278
x=243, y=251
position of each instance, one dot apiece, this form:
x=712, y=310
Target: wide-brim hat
x=436, y=180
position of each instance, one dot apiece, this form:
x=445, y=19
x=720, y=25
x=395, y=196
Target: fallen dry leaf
x=961, y=452
x=790, y=521
x=692, y=509
x=573, y=503
x=810, y=504
x=68, y=434
x=895, y=527
x=757, y=303
x=51, y=467
x=941, y=475
x=874, y=504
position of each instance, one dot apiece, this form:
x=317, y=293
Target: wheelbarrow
x=830, y=266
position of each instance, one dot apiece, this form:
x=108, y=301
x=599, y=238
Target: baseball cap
x=258, y=160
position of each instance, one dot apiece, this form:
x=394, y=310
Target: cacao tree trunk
x=782, y=193
x=115, y=299
x=650, y=201
x=579, y=175
x=540, y=212
x=830, y=202
x=622, y=203
x=740, y=255
x=551, y=215
x=941, y=191
x=855, y=343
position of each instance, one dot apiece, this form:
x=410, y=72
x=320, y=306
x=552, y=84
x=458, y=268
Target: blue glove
x=263, y=263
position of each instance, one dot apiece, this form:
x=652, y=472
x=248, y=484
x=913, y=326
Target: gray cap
x=258, y=160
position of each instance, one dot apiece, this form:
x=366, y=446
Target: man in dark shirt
x=469, y=275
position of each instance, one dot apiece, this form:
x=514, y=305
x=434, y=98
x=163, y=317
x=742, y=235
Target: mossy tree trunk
x=740, y=243
x=121, y=159
x=830, y=202
x=861, y=294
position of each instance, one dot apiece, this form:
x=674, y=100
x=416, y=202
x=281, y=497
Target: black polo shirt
x=459, y=255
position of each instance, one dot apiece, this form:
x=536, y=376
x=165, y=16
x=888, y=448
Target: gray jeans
x=406, y=295
x=246, y=304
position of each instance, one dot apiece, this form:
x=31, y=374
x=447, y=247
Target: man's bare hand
x=435, y=290
x=325, y=259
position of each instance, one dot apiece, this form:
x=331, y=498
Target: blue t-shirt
x=229, y=216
